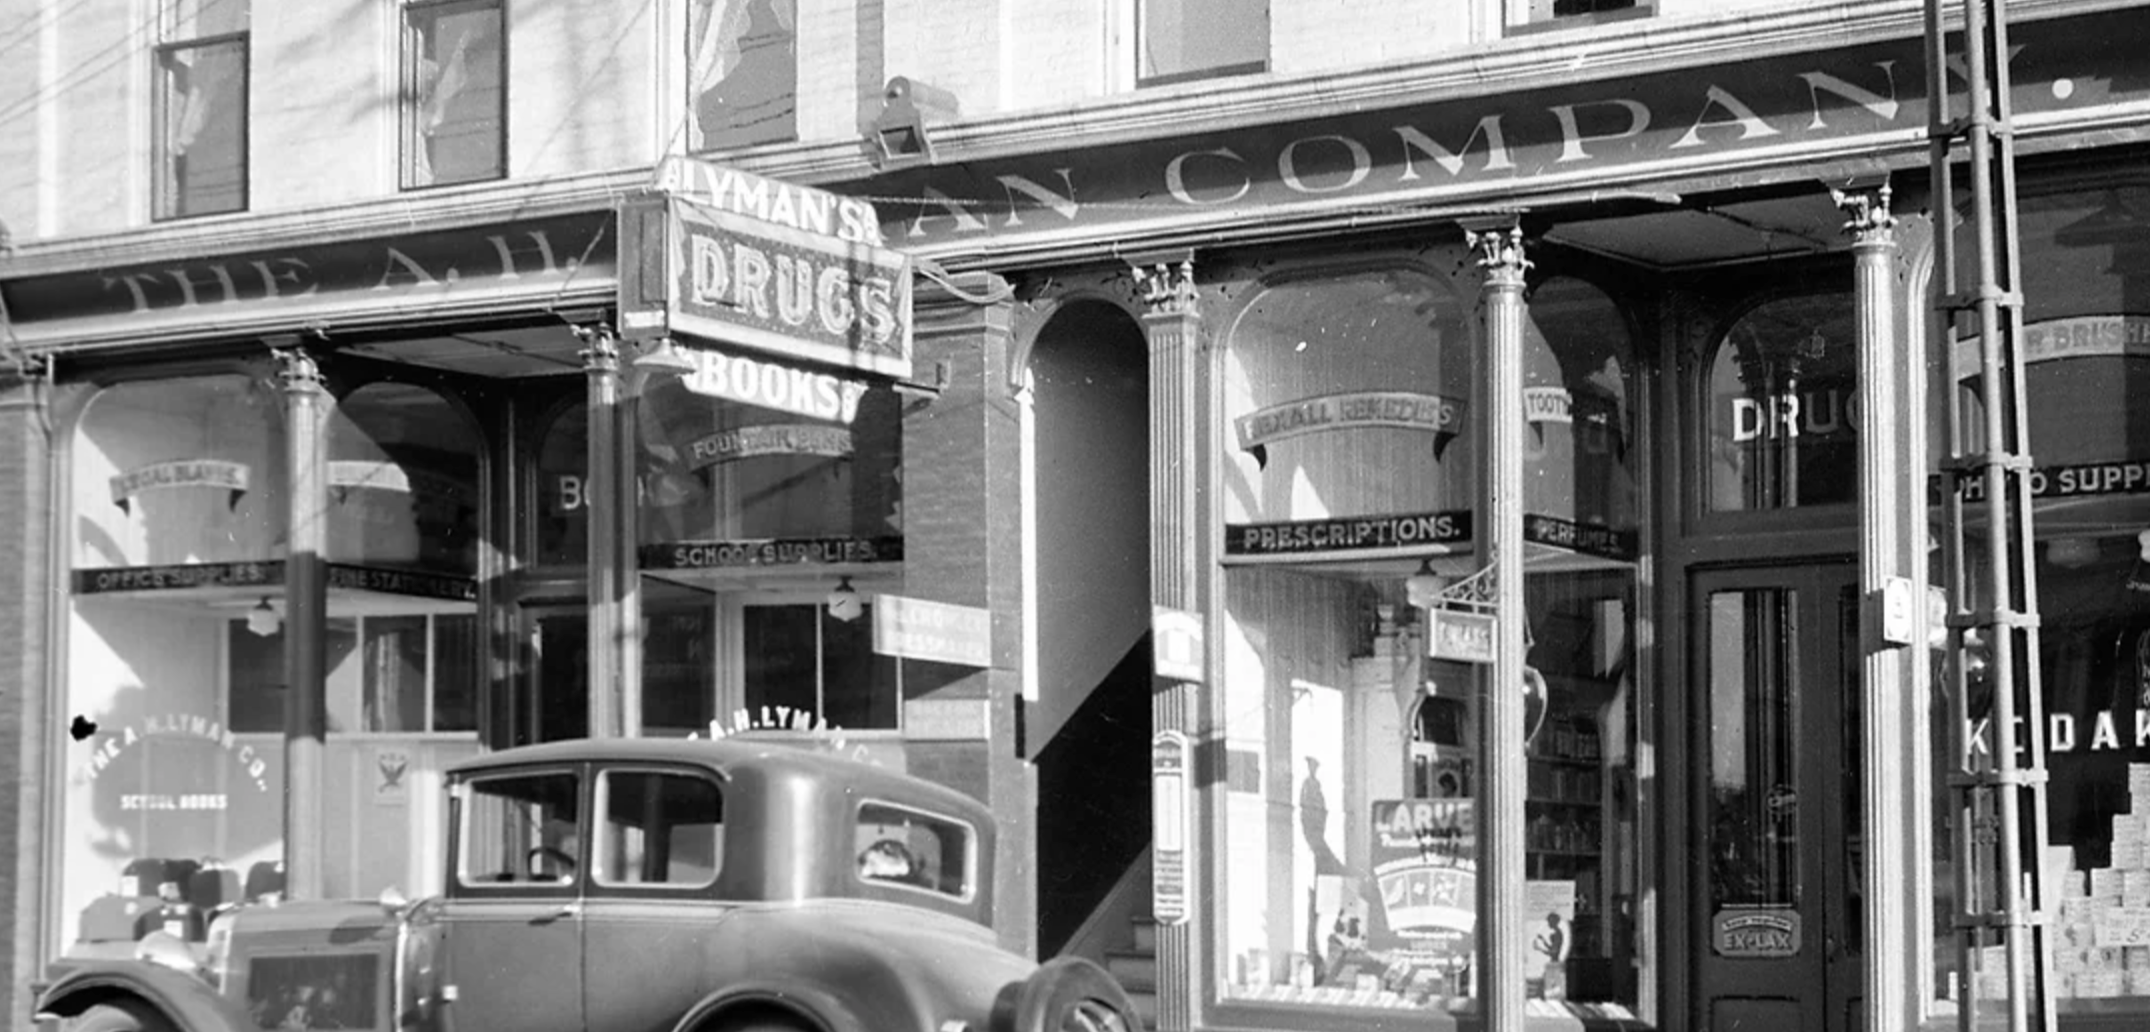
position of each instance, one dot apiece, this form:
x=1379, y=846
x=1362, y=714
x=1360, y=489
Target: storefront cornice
x=487, y=204
x=1606, y=52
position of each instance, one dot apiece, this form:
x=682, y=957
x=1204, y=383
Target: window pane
x=1187, y=39
x=781, y=662
x=202, y=129
x=1781, y=430
x=519, y=829
x=742, y=73
x=676, y=666
x=394, y=674
x=1350, y=802
x=860, y=689
x=455, y=133
x=1753, y=829
x=257, y=680
x=664, y=829
x=455, y=673
x=194, y=19
x=901, y=846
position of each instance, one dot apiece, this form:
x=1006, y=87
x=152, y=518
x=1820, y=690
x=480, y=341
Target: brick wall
x=24, y=727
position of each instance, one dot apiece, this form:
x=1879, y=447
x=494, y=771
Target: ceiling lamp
x=263, y=619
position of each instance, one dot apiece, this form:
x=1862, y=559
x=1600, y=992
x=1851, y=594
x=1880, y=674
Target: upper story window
x=454, y=97
x=742, y=73
x=1569, y=13
x=200, y=107
x=1181, y=40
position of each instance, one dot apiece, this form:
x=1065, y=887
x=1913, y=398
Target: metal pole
x=1501, y=772
x=305, y=613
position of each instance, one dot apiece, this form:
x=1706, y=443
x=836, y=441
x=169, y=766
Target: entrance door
x=560, y=693
x=1777, y=766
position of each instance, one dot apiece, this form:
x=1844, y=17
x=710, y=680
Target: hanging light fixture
x=662, y=357
x=1423, y=588
x=263, y=619
x=844, y=602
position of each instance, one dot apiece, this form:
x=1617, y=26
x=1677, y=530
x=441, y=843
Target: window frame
x=600, y=823
x=412, y=173
x=167, y=194
x=1527, y=20
x=732, y=689
x=1137, y=22
x=461, y=884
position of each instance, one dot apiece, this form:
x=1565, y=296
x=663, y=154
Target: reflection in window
x=1181, y=40
x=658, y=829
x=1781, y=429
x=201, y=108
x=454, y=124
x=742, y=73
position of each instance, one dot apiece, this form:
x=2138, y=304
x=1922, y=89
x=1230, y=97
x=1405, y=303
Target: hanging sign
x=784, y=291
x=1460, y=636
x=914, y=628
x=1176, y=643
x=764, y=383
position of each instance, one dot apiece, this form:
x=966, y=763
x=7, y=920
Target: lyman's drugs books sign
x=763, y=277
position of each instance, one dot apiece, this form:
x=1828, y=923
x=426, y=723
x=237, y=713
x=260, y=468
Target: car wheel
x=763, y=1021
x=1066, y=994
x=123, y=1016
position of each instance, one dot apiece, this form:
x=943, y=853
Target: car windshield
x=902, y=846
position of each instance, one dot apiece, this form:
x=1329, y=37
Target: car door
x=1777, y=772
x=512, y=912
x=652, y=909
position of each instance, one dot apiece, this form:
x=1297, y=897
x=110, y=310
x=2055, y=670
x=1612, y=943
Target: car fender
x=192, y=1004
x=819, y=1007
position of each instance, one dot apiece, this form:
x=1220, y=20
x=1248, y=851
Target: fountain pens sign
x=787, y=292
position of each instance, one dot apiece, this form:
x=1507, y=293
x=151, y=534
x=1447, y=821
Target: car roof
x=771, y=759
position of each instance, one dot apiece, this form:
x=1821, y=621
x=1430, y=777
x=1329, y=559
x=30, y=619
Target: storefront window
x=1350, y=754
x=2086, y=369
x=403, y=482
x=1781, y=428
x=174, y=799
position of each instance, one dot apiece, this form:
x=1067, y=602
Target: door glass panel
x=1853, y=786
x=1753, y=828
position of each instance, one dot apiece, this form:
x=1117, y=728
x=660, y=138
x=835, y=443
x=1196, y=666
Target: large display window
x=1348, y=804
x=176, y=645
x=2086, y=371
x=763, y=533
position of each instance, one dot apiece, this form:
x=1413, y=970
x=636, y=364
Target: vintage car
x=637, y=885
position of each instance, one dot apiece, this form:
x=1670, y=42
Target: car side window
x=903, y=846
x=519, y=829
x=658, y=828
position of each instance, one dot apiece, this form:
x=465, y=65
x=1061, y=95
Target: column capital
x=1164, y=282
x=299, y=370
x=600, y=349
x=1498, y=241
x=1867, y=208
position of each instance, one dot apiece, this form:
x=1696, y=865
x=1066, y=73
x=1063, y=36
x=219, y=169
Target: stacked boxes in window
x=2102, y=941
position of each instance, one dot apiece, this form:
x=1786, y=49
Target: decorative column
x=601, y=361
x=33, y=717
x=305, y=619
x=1890, y=487
x=1178, y=558
x=1501, y=775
